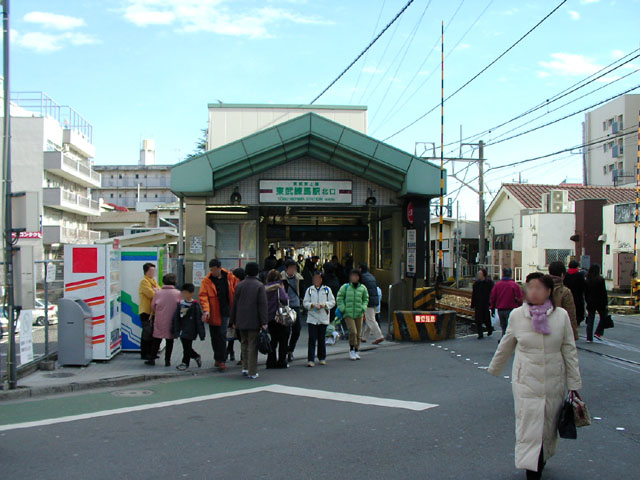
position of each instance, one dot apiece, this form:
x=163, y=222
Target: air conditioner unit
x=559, y=201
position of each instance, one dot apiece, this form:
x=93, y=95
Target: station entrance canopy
x=307, y=136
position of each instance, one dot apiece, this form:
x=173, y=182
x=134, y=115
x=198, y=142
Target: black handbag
x=567, y=422
x=608, y=322
x=264, y=343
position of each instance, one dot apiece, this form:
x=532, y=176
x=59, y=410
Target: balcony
x=79, y=142
x=66, y=167
x=52, y=234
x=62, y=199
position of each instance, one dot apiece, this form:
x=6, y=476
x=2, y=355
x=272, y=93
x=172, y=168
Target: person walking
x=353, y=299
x=562, y=296
x=188, y=325
x=164, y=306
x=146, y=290
x=575, y=281
x=318, y=301
x=216, y=297
x=545, y=366
x=277, y=296
x=597, y=300
x=480, y=299
x=369, y=281
x=293, y=284
x=505, y=296
x=249, y=315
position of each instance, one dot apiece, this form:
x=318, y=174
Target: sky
x=148, y=68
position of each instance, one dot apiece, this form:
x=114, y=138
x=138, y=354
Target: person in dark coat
x=575, y=281
x=597, y=300
x=480, y=301
x=276, y=296
x=188, y=325
x=369, y=281
x=249, y=315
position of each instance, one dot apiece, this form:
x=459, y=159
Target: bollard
x=421, y=326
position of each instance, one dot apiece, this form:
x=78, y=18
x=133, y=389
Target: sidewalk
x=127, y=368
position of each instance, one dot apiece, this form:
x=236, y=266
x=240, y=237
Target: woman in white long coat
x=545, y=365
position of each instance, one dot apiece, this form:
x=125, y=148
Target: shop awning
x=155, y=237
x=309, y=135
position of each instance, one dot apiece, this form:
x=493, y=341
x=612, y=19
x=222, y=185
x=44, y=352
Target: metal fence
x=44, y=333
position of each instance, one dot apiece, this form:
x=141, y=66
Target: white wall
x=228, y=124
x=619, y=239
x=627, y=106
x=543, y=231
x=505, y=219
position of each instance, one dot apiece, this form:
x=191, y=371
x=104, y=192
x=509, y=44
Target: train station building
x=292, y=178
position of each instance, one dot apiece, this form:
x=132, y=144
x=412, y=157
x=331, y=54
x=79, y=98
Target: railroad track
x=467, y=312
x=455, y=291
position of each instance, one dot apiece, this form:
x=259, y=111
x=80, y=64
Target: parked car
x=38, y=313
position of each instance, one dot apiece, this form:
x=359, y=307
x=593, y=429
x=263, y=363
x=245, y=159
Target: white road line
x=349, y=398
x=282, y=389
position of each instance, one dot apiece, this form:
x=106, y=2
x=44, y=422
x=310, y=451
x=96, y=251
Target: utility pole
x=8, y=221
x=482, y=251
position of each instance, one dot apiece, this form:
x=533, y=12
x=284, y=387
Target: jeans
x=317, y=334
x=371, y=325
x=187, y=351
x=219, y=340
x=504, y=319
x=295, y=330
x=355, y=332
x=591, y=316
x=279, y=345
x=155, y=348
x=249, y=342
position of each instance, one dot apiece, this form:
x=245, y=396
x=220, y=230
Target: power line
x=409, y=42
x=364, y=62
x=371, y=43
x=568, y=91
x=481, y=71
x=562, y=118
x=393, y=111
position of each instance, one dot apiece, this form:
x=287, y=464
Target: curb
x=22, y=393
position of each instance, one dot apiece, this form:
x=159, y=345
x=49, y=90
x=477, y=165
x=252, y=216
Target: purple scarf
x=539, y=317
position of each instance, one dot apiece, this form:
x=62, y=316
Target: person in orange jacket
x=216, y=298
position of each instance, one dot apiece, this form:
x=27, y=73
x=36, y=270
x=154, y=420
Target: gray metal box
x=75, y=332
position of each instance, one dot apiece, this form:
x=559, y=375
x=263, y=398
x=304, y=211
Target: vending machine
x=132, y=261
x=92, y=274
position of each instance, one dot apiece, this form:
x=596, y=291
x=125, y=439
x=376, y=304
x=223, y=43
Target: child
x=188, y=325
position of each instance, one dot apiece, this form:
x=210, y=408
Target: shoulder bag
x=567, y=423
x=285, y=315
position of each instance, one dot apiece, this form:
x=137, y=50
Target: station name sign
x=306, y=191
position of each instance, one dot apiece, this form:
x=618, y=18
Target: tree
x=201, y=145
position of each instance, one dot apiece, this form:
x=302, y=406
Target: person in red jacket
x=216, y=298
x=505, y=296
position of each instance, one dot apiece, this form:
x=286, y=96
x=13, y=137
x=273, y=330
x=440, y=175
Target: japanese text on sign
x=305, y=191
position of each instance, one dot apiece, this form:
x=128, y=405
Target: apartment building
x=612, y=129
x=52, y=150
x=141, y=187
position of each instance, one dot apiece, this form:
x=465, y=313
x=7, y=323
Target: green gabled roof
x=307, y=135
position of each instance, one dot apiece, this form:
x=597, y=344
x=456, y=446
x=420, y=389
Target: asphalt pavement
x=296, y=424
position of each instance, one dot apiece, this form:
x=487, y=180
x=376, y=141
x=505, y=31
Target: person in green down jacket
x=353, y=299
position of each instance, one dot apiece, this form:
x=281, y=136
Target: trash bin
x=75, y=332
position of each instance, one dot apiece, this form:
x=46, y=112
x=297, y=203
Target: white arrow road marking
x=282, y=389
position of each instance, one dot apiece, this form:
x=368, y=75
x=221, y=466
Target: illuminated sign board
x=424, y=318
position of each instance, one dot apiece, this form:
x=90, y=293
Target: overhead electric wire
x=364, y=62
x=562, y=118
x=393, y=111
x=481, y=71
x=371, y=43
x=408, y=43
x=568, y=91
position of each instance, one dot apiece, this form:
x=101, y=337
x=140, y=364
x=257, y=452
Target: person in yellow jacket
x=147, y=289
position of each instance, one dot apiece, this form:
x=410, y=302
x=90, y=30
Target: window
x=137, y=176
x=620, y=165
x=621, y=146
x=385, y=252
x=111, y=195
x=145, y=195
x=156, y=195
x=111, y=176
x=120, y=177
x=620, y=122
x=503, y=241
x=605, y=169
x=557, y=255
x=605, y=147
x=119, y=195
x=608, y=250
x=604, y=126
x=612, y=167
x=609, y=122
